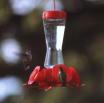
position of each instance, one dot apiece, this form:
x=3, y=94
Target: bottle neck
x=53, y=57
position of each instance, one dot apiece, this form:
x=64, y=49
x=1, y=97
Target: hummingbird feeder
x=54, y=73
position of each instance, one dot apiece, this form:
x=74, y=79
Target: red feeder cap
x=54, y=15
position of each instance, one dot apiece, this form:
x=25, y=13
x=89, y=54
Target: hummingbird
x=62, y=76
x=26, y=58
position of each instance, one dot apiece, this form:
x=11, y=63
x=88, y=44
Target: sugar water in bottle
x=54, y=27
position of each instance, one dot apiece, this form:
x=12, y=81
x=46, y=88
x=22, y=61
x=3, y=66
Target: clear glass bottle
x=54, y=26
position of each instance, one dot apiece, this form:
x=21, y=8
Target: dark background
x=83, y=47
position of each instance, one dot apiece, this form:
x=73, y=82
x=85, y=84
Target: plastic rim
x=54, y=15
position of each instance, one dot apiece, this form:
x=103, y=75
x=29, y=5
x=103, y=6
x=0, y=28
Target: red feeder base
x=58, y=76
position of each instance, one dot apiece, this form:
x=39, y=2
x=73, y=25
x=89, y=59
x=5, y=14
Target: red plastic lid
x=54, y=15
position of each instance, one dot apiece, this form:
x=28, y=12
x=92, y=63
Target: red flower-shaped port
x=58, y=76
